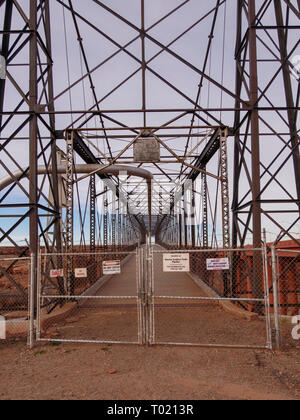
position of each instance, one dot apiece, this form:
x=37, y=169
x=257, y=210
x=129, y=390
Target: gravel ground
x=102, y=372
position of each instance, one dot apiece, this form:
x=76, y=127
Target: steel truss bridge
x=212, y=86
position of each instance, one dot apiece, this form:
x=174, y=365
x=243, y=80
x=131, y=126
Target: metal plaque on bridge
x=146, y=150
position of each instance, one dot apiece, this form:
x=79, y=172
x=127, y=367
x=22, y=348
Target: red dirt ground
x=85, y=372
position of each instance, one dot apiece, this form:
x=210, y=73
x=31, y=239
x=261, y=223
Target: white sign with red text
x=56, y=273
x=111, y=267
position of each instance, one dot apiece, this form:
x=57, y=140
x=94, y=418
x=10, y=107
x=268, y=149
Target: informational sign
x=80, y=273
x=56, y=273
x=111, y=267
x=176, y=263
x=214, y=264
x=146, y=150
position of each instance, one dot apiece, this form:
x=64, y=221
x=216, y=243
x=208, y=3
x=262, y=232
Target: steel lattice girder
x=259, y=183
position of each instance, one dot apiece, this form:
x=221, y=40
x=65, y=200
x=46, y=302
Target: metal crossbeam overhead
x=206, y=155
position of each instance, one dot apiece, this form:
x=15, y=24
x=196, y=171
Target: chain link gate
x=285, y=293
x=194, y=304
x=149, y=303
x=15, y=275
x=96, y=304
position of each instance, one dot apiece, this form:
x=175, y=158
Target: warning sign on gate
x=214, y=264
x=176, y=263
x=56, y=273
x=111, y=267
x=80, y=273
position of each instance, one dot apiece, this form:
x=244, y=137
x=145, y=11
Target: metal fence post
x=267, y=291
x=147, y=296
x=150, y=257
x=144, y=293
x=32, y=301
x=38, y=298
x=275, y=296
x=140, y=296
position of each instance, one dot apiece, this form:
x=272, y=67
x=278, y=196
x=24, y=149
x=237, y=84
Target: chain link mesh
x=14, y=295
x=207, y=305
x=288, y=269
x=81, y=299
x=286, y=272
x=214, y=300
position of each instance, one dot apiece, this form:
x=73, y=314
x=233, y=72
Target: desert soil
x=117, y=372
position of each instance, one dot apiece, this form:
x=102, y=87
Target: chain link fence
x=193, y=296
x=286, y=276
x=92, y=297
x=14, y=298
x=208, y=297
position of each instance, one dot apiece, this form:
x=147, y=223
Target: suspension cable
x=223, y=57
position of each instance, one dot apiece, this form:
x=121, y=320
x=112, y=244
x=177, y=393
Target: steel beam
x=5, y=50
x=33, y=132
x=291, y=111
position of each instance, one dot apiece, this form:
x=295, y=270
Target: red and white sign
x=111, y=267
x=56, y=273
x=80, y=273
x=215, y=264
